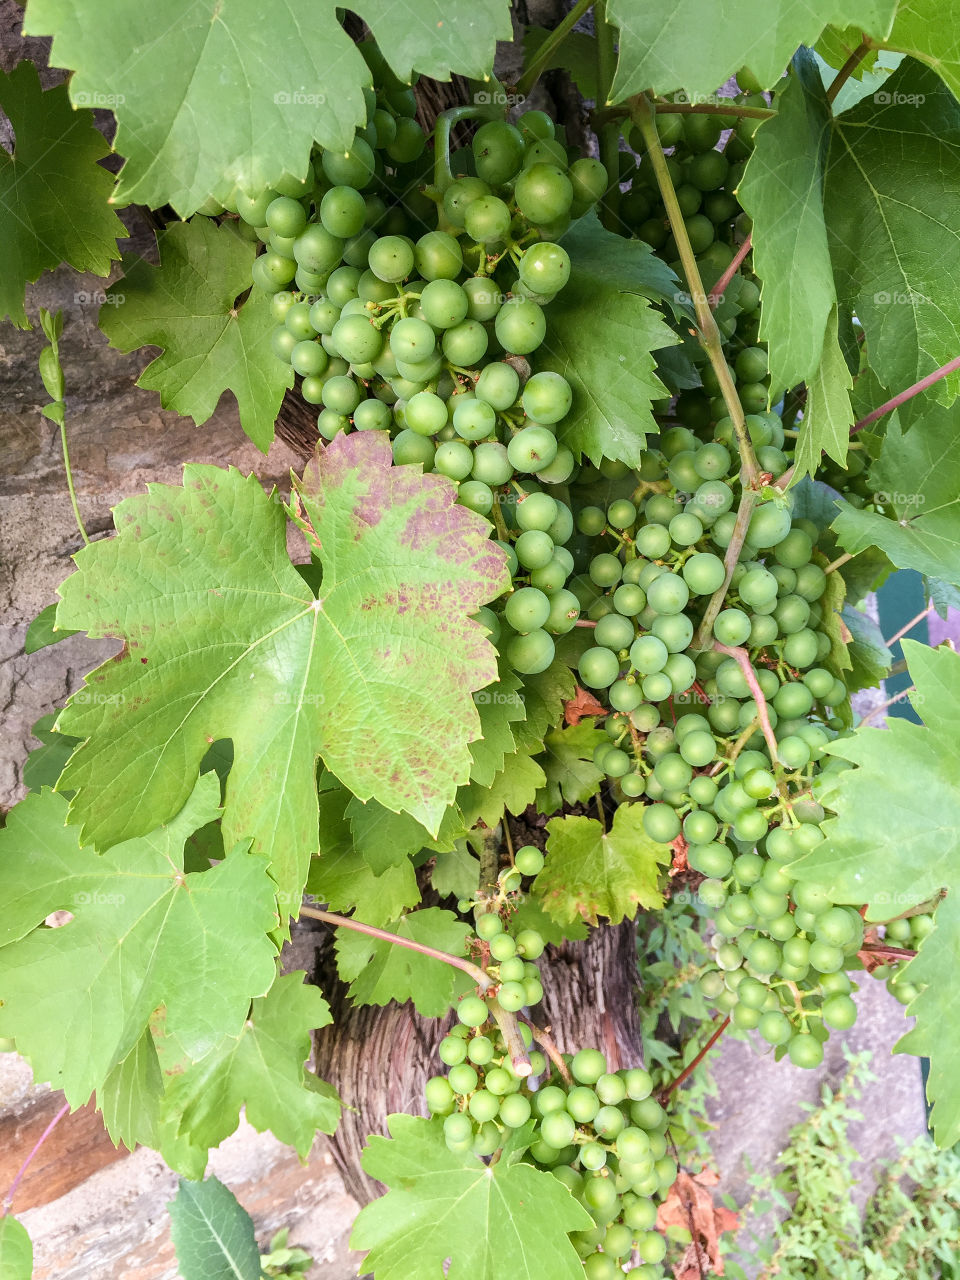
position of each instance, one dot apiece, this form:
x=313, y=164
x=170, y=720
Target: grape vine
x=600, y=479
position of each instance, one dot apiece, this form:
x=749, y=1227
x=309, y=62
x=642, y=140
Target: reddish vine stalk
x=889, y=405
x=742, y=659
x=688, y=1071
x=7, y=1203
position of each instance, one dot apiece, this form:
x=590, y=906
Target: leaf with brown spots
x=690, y=1205
x=375, y=678
x=580, y=705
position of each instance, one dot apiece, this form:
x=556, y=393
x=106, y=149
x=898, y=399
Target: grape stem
x=584, y=622
x=710, y=337
x=442, y=173
x=944, y=371
x=840, y=560
x=716, y=293
x=738, y=746
x=538, y=65
x=510, y=1030
x=546, y=1041
x=742, y=659
x=7, y=1203
x=887, y=953
x=685, y=1074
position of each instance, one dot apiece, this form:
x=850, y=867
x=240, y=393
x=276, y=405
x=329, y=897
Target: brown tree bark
x=379, y=1059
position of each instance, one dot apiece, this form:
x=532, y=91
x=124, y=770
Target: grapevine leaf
x=457, y=873
x=16, y=1250
x=385, y=839
x=590, y=872
x=489, y=1221
x=601, y=331
x=212, y=1233
x=260, y=1069
x=188, y=306
x=514, y=787
x=391, y=645
x=894, y=844
x=782, y=190
x=76, y=999
x=379, y=972
x=698, y=44
x=44, y=765
x=893, y=159
x=870, y=659
x=577, y=55
x=343, y=879
x=827, y=416
x=531, y=915
x=42, y=630
x=940, y=594
x=53, y=194
x=567, y=761
x=174, y=75
x=500, y=706
x=930, y=33
x=917, y=473
x=543, y=698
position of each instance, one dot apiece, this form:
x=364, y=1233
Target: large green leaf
x=827, y=416
x=930, y=32
x=567, y=761
x=379, y=972
x=601, y=331
x=590, y=872
x=16, y=1250
x=491, y=1222
x=918, y=474
x=892, y=206
x=895, y=843
x=210, y=94
x=53, y=194
x=260, y=1069
x=698, y=44
x=235, y=645
x=188, y=306
x=76, y=999
x=212, y=1233
x=782, y=190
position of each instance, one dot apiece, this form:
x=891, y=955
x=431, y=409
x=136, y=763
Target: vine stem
x=689, y=1070
x=609, y=132
x=483, y=980
x=748, y=500
x=716, y=293
x=877, y=711
x=546, y=51
x=7, y=1203
x=742, y=659
x=848, y=68
x=505, y=1021
x=73, y=493
x=738, y=746
x=909, y=627
x=710, y=338
x=888, y=953
x=584, y=622
x=944, y=371
x=442, y=173
x=712, y=109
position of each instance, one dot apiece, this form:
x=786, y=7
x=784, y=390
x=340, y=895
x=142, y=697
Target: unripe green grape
x=805, y=1051
x=476, y=496
x=547, y=397
x=582, y=1103
x=531, y=654
x=472, y=1011
x=453, y=459
x=520, y=326
x=564, y=612
x=532, y=448
x=528, y=860
x=487, y=220
x=412, y=449
x=498, y=385
x=514, y=1110
x=557, y=1130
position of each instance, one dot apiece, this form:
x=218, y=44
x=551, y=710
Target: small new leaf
x=212, y=1233
x=16, y=1250
x=591, y=873
x=379, y=972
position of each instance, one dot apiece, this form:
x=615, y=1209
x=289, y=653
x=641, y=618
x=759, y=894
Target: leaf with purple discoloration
x=225, y=640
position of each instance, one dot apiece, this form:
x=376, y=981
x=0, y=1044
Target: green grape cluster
x=907, y=932
x=599, y=1132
